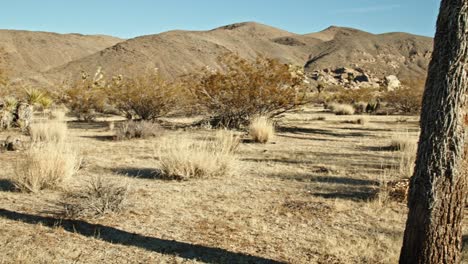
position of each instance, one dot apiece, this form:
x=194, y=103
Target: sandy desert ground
x=309, y=196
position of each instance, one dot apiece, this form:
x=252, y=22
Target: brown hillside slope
x=25, y=54
x=179, y=52
x=401, y=54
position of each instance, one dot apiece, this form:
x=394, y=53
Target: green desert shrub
x=243, y=89
x=146, y=97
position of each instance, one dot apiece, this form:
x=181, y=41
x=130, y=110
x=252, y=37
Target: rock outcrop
x=353, y=78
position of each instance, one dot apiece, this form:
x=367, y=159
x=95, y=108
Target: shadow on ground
x=355, y=194
x=101, y=137
x=141, y=173
x=345, y=180
x=6, y=185
x=305, y=130
x=113, y=235
x=88, y=125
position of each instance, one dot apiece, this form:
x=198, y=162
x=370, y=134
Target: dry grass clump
x=407, y=147
x=45, y=166
x=182, y=158
x=402, y=143
x=97, y=198
x=137, y=129
x=57, y=115
x=51, y=131
x=261, y=129
x=342, y=109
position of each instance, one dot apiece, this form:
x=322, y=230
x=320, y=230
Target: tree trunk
x=438, y=187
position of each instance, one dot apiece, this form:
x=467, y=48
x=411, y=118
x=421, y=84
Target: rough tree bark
x=438, y=188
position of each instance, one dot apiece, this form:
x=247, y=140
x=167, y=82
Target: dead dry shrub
x=146, y=97
x=137, y=129
x=244, y=89
x=183, y=158
x=261, y=129
x=46, y=166
x=48, y=131
x=97, y=198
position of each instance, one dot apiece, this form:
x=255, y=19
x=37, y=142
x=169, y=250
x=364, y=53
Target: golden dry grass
x=48, y=131
x=182, y=159
x=57, y=115
x=45, y=166
x=261, y=129
x=342, y=109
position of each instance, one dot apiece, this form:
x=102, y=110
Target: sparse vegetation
x=45, y=166
x=402, y=143
x=261, y=129
x=183, y=159
x=38, y=98
x=137, y=129
x=246, y=89
x=87, y=97
x=49, y=131
x=407, y=99
x=146, y=97
x=342, y=109
x=97, y=198
x=57, y=115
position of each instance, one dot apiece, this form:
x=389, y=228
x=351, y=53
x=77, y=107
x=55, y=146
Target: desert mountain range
x=48, y=58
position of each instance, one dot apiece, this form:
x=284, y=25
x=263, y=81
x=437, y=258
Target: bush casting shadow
x=109, y=234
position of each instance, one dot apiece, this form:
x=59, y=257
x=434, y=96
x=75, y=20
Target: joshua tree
x=438, y=188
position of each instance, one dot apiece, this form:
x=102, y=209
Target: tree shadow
x=355, y=194
x=378, y=148
x=116, y=236
x=101, y=137
x=87, y=125
x=141, y=173
x=305, y=130
x=464, y=242
x=345, y=181
x=6, y=185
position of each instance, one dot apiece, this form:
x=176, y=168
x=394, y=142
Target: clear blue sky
x=130, y=18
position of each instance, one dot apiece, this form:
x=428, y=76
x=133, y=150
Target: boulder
x=392, y=82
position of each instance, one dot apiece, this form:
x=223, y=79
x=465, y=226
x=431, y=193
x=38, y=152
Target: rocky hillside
x=178, y=52
x=25, y=55
x=404, y=55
